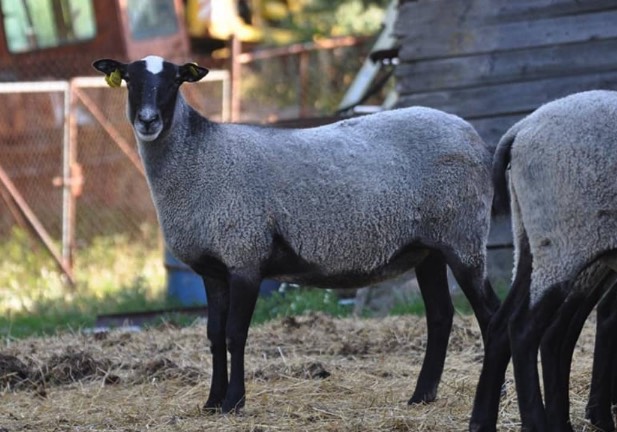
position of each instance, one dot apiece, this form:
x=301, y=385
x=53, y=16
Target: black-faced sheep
x=342, y=205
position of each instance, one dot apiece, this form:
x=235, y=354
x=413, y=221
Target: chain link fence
x=31, y=134
x=69, y=169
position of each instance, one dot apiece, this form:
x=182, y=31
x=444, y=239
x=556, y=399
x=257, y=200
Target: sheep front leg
x=243, y=296
x=217, y=293
x=433, y=281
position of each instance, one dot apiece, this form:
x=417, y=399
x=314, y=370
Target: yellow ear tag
x=114, y=79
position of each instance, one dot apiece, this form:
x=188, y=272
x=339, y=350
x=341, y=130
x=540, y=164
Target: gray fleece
x=345, y=198
x=563, y=184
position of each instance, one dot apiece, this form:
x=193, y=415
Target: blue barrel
x=186, y=287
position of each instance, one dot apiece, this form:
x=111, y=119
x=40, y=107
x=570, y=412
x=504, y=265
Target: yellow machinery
x=250, y=21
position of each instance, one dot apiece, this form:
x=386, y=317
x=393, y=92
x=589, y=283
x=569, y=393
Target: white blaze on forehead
x=154, y=64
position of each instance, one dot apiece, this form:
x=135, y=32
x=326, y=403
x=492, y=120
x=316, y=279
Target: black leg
x=526, y=328
x=559, y=341
x=603, y=391
x=497, y=349
x=477, y=289
x=433, y=282
x=243, y=296
x=217, y=293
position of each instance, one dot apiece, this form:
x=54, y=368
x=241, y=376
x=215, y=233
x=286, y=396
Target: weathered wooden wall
x=494, y=61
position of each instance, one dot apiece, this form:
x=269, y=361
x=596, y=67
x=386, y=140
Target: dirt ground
x=310, y=373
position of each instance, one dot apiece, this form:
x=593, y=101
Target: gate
x=69, y=170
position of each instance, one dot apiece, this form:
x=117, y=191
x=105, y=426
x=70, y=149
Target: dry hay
x=310, y=373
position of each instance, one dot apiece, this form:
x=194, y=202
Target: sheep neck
x=172, y=161
x=177, y=147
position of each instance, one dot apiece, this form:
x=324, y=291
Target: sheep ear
x=191, y=72
x=114, y=71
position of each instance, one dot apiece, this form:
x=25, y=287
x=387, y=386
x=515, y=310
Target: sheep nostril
x=148, y=118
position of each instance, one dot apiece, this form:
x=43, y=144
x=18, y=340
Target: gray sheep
x=342, y=205
x=563, y=192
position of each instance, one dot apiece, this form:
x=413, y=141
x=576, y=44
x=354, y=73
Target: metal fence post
x=236, y=50
x=68, y=202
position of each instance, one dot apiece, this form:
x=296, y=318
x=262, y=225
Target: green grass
x=113, y=274
x=297, y=302
x=415, y=306
x=51, y=316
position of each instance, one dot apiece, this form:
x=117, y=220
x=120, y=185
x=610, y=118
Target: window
x=152, y=18
x=33, y=24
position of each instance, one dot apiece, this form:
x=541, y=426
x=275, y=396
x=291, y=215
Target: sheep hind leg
x=477, y=288
x=497, y=349
x=242, y=299
x=217, y=293
x=433, y=281
x=603, y=391
x=559, y=340
x=527, y=325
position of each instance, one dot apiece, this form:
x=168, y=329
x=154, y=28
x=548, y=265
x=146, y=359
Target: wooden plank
x=468, y=11
x=512, y=98
x=491, y=129
x=423, y=13
x=442, y=38
x=536, y=9
x=507, y=66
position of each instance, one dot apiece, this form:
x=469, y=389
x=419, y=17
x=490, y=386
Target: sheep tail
x=501, y=161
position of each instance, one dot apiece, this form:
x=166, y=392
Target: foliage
x=277, y=86
x=314, y=83
x=113, y=273
x=51, y=315
x=327, y=18
x=297, y=302
x=415, y=306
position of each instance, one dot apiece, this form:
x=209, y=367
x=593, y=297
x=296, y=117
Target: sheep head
x=152, y=84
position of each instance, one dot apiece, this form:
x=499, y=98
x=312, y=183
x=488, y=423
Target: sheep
x=563, y=193
x=341, y=205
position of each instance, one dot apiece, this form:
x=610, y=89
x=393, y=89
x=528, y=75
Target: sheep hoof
x=598, y=420
x=233, y=405
x=475, y=427
x=212, y=406
x=422, y=399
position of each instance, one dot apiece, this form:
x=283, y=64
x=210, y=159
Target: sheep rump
x=568, y=159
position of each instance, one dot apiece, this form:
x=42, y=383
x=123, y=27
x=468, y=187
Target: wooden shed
x=494, y=61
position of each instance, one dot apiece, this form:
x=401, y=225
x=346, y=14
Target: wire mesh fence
x=69, y=170
x=31, y=134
